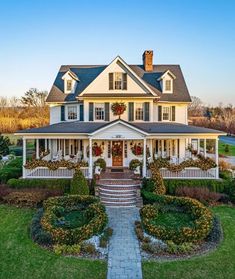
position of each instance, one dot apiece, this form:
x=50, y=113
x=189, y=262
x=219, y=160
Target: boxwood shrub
x=58, y=184
x=11, y=170
x=95, y=214
x=201, y=216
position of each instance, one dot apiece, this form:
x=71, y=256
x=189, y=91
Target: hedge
x=96, y=216
x=11, y=170
x=202, y=216
x=58, y=184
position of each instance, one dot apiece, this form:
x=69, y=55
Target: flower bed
x=93, y=218
x=197, y=229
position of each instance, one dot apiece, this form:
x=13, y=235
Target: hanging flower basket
x=137, y=149
x=116, y=150
x=118, y=108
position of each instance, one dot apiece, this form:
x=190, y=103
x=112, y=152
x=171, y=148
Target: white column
x=46, y=147
x=24, y=156
x=198, y=146
x=204, y=145
x=50, y=149
x=37, y=148
x=64, y=147
x=217, y=158
x=144, y=159
x=162, y=148
x=151, y=148
x=90, y=158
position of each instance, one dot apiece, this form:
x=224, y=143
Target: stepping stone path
x=124, y=259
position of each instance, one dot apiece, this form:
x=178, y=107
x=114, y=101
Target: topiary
x=134, y=163
x=159, y=188
x=79, y=185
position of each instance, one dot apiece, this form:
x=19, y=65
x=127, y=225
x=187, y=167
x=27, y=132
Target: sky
x=36, y=37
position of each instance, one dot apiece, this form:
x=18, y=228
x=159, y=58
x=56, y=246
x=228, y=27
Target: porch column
x=50, y=149
x=37, y=148
x=204, y=145
x=90, y=158
x=198, y=146
x=217, y=157
x=144, y=159
x=46, y=147
x=24, y=157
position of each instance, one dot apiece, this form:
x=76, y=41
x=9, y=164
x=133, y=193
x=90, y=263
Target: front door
x=117, y=153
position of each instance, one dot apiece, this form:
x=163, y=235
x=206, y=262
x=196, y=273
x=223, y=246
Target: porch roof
x=149, y=128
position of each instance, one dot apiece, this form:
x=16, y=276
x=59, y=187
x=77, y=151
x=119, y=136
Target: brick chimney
x=148, y=60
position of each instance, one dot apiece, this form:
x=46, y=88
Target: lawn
x=231, y=149
x=217, y=265
x=21, y=258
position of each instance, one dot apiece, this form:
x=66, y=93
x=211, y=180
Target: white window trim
x=169, y=120
x=164, y=85
x=114, y=74
x=135, y=107
x=67, y=112
x=94, y=114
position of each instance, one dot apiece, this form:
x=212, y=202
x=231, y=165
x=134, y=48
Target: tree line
x=28, y=111
x=220, y=117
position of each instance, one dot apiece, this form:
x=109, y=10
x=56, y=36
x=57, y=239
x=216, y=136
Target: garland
x=54, y=165
x=160, y=189
x=118, y=108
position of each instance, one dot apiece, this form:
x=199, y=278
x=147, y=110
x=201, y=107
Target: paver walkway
x=124, y=259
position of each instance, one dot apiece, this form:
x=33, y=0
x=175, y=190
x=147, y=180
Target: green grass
x=173, y=220
x=222, y=149
x=20, y=258
x=216, y=265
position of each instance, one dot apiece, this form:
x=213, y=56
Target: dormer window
x=69, y=85
x=168, y=85
x=117, y=81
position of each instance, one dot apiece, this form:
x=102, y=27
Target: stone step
x=119, y=202
x=118, y=182
x=121, y=193
x=118, y=199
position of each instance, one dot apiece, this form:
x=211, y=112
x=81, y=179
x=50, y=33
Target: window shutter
x=106, y=109
x=173, y=113
x=131, y=111
x=124, y=78
x=159, y=113
x=146, y=111
x=91, y=111
x=62, y=113
x=81, y=112
x=110, y=81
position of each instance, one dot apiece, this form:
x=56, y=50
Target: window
x=99, y=111
x=139, y=111
x=117, y=81
x=166, y=113
x=72, y=112
x=168, y=85
x=69, y=85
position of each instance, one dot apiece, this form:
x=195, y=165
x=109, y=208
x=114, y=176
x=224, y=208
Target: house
x=154, y=122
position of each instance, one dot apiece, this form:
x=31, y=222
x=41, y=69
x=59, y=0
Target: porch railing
x=44, y=172
x=187, y=173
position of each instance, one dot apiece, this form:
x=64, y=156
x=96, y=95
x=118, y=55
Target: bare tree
x=34, y=98
x=196, y=107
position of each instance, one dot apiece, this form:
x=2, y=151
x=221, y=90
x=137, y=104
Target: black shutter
x=62, y=113
x=91, y=111
x=124, y=78
x=159, y=113
x=146, y=111
x=106, y=109
x=131, y=111
x=173, y=113
x=110, y=81
x=81, y=112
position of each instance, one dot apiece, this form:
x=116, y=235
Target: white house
x=155, y=122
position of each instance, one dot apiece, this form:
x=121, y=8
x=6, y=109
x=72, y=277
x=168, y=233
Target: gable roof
x=168, y=72
x=72, y=74
x=88, y=73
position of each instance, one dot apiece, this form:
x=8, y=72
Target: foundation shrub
x=88, y=248
x=134, y=163
x=198, y=229
x=100, y=162
x=201, y=194
x=67, y=249
x=25, y=199
x=57, y=184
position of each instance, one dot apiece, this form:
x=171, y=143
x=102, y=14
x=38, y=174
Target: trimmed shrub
x=100, y=162
x=94, y=212
x=104, y=239
x=92, y=185
x=67, y=249
x=13, y=169
x=79, y=184
x=201, y=217
x=57, y=184
x=88, y=248
x=4, y=191
x=134, y=163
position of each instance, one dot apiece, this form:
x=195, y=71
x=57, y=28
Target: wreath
x=97, y=150
x=137, y=149
x=118, y=108
x=116, y=150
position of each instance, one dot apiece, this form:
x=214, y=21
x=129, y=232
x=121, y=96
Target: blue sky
x=36, y=37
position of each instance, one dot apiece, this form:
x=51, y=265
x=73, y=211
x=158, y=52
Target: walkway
x=124, y=259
